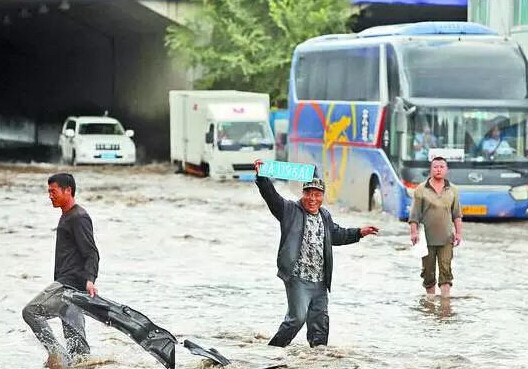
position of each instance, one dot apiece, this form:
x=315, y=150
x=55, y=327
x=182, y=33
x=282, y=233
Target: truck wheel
x=375, y=197
x=178, y=166
x=206, y=170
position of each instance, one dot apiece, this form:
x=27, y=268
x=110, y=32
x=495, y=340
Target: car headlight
x=519, y=192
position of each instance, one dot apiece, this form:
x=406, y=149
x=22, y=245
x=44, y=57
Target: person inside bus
x=423, y=142
x=494, y=144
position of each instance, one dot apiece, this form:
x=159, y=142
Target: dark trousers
x=47, y=305
x=307, y=302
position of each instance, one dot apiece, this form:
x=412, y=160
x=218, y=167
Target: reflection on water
x=199, y=259
x=437, y=306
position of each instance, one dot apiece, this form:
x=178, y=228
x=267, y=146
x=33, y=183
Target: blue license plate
x=108, y=155
x=286, y=170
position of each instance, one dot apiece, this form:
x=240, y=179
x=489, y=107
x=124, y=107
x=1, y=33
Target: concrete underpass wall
x=144, y=76
x=97, y=56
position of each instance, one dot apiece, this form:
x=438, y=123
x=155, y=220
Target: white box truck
x=219, y=133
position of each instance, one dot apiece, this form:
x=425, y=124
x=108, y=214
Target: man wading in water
x=305, y=257
x=436, y=206
x=76, y=265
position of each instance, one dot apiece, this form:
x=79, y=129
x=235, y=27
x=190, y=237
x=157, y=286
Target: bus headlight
x=519, y=193
x=409, y=187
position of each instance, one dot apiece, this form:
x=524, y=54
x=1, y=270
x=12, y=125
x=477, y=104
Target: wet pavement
x=198, y=258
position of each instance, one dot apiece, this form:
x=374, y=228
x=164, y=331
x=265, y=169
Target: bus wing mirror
x=403, y=112
x=401, y=122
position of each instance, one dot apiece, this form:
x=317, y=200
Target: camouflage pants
x=48, y=304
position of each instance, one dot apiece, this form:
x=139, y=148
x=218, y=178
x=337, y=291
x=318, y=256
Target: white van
x=96, y=140
x=219, y=133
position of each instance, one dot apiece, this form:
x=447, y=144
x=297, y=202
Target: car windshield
x=470, y=135
x=100, y=129
x=236, y=135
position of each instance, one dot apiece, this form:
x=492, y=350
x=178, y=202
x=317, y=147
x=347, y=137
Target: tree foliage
x=248, y=44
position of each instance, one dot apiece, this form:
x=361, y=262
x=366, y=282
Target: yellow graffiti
x=335, y=132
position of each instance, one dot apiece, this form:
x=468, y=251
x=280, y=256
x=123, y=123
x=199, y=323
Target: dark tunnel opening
x=84, y=58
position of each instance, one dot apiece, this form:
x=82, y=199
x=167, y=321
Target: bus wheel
x=375, y=198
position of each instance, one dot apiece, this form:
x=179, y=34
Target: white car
x=96, y=140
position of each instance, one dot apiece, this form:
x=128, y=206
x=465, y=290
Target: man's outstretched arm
x=345, y=236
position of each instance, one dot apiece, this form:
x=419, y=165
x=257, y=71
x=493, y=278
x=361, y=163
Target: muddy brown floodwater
x=198, y=258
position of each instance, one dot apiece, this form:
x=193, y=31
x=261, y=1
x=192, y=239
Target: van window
x=343, y=75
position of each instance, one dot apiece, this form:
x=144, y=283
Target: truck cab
x=220, y=133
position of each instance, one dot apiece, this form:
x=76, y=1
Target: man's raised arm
x=269, y=194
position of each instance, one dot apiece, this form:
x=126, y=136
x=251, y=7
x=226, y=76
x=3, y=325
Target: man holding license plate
x=305, y=254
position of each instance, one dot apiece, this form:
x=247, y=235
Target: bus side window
x=301, y=77
x=362, y=75
x=336, y=70
x=317, y=76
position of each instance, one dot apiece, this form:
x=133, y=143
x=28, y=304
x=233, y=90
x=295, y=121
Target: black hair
x=64, y=180
x=439, y=158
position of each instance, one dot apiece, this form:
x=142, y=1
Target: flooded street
x=198, y=258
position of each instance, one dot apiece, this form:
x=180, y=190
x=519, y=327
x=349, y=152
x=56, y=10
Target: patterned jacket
x=292, y=218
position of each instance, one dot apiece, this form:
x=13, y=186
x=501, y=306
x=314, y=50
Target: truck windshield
x=100, y=129
x=464, y=69
x=238, y=135
x=470, y=135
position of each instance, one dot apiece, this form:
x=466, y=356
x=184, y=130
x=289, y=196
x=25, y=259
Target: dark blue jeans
x=307, y=302
x=47, y=305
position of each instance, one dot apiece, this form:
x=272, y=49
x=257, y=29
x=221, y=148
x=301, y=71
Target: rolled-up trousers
x=444, y=255
x=307, y=302
x=48, y=304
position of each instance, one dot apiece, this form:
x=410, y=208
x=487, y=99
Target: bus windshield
x=473, y=135
x=464, y=69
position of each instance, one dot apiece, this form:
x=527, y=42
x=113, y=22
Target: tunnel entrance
x=82, y=57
